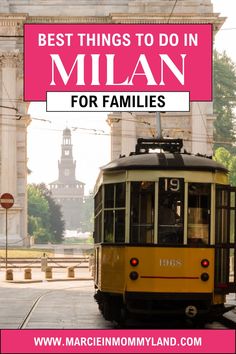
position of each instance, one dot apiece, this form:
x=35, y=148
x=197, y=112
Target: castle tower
x=67, y=190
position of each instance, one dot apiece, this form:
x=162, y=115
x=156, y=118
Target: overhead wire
x=173, y=8
x=204, y=123
x=8, y=95
x=93, y=131
x=127, y=135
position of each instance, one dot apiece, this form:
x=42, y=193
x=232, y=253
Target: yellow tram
x=164, y=234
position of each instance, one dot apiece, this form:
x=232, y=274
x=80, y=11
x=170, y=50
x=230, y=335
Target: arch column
x=13, y=129
x=8, y=62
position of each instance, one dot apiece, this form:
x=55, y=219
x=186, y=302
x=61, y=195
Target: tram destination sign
x=118, y=67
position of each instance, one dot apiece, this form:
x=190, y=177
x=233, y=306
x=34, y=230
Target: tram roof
x=164, y=161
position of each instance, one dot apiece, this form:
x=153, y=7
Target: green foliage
x=227, y=159
x=76, y=240
x=223, y=156
x=87, y=214
x=38, y=215
x=224, y=73
x=45, y=221
x=90, y=239
x=57, y=224
x=36, y=202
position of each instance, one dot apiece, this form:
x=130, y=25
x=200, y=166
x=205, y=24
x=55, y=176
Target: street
x=60, y=303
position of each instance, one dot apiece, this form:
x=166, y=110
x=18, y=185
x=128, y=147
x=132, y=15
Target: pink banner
x=117, y=57
x=117, y=341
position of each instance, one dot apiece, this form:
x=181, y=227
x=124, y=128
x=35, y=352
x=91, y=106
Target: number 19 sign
x=117, y=67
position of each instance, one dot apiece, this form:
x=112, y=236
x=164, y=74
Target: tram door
x=225, y=241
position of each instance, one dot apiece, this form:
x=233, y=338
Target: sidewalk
x=38, y=276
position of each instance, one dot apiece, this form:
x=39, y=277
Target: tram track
x=26, y=319
x=23, y=324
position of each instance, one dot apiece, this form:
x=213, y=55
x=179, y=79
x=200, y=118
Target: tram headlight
x=205, y=263
x=204, y=276
x=133, y=275
x=134, y=262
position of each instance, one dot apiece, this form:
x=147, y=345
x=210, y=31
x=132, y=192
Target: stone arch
x=13, y=110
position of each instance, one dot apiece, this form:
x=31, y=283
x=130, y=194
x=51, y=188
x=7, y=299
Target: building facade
x=67, y=190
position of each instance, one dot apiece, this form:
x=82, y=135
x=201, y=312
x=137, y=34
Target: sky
x=225, y=38
x=90, y=132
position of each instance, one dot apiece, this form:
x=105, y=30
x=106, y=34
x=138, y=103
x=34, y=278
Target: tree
x=223, y=156
x=224, y=72
x=38, y=215
x=57, y=224
x=44, y=215
x=227, y=159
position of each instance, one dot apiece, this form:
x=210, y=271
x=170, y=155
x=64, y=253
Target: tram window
x=119, y=226
x=231, y=265
x=232, y=226
x=98, y=201
x=115, y=195
x=98, y=216
x=232, y=216
x=109, y=195
x=222, y=215
x=108, y=225
x=171, y=211
x=114, y=213
x=142, y=212
x=199, y=199
x=98, y=228
x=120, y=195
x=225, y=215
